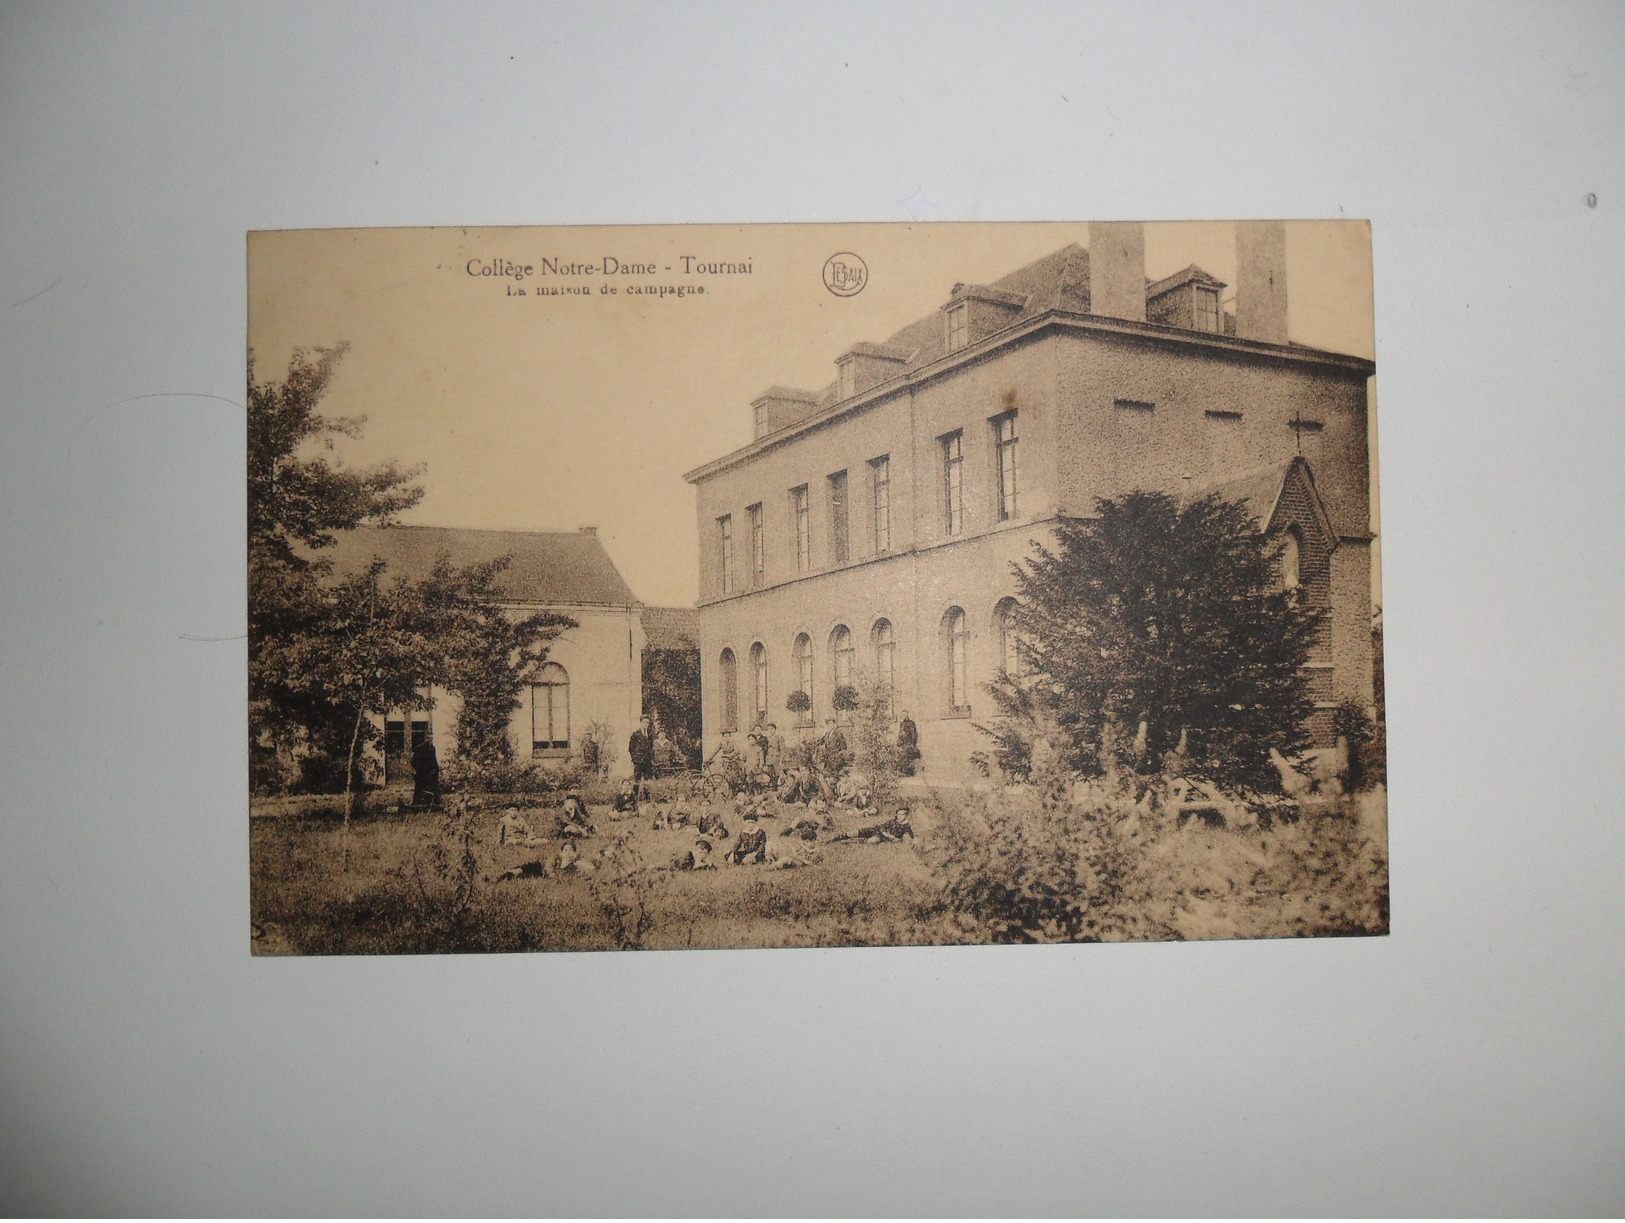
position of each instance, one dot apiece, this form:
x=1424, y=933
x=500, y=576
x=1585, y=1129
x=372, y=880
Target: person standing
x=908, y=745
x=641, y=748
x=425, y=775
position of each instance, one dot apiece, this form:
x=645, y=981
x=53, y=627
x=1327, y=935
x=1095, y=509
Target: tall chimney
x=1261, y=281
x=1117, y=269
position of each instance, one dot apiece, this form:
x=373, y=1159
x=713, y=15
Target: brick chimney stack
x=1117, y=269
x=1261, y=310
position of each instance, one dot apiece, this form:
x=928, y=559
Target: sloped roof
x=671, y=628
x=787, y=392
x=1260, y=488
x=1058, y=281
x=549, y=567
x=1184, y=276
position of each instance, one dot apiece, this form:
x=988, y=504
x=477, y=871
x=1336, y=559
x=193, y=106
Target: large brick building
x=870, y=527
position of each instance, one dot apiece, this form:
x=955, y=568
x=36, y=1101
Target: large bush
x=1161, y=616
x=1026, y=867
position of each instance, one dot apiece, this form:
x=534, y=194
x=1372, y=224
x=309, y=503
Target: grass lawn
x=391, y=899
x=410, y=889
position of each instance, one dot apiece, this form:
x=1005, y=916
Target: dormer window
x=1207, y=310
x=848, y=378
x=958, y=326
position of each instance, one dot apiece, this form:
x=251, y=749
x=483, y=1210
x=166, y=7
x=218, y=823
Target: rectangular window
x=758, y=546
x=847, y=373
x=1004, y=449
x=838, y=540
x=1207, y=311
x=1222, y=414
x=958, y=327
x=953, y=481
x=758, y=660
x=880, y=476
x=761, y=418
x=1135, y=405
x=725, y=530
x=549, y=716
x=800, y=512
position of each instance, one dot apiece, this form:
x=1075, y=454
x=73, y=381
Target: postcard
x=813, y=585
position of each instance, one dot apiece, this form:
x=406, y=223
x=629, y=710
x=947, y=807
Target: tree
x=1164, y=616
x=296, y=501
x=671, y=694
x=486, y=656
x=376, y=647
x=326, y=657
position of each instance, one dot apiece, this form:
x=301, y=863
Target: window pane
x=953, y=463
x=758, y=546
x=803, y=520
x=885, y=646
x=837, y=517
x=882, y=499
x=804, y=676
x=1004, y=432
x=725, y=527
x=758, y=661
x=730, y=691
x=958, y=659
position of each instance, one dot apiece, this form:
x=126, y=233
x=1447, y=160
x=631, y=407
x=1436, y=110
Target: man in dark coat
x=425, y=775
x=908, y=745
x=641, y=748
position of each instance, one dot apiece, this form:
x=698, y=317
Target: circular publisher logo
x=845, y=274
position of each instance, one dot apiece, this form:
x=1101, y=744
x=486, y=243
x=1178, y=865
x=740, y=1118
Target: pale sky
x=553, y=412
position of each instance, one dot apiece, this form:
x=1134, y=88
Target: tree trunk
x=349, y=787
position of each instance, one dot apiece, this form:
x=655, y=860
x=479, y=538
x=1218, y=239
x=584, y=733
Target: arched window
x=956, y=662
x=883, y=640
x=758, y=681
x=804, y=678
x=730, y=691
x=1004, y=628
x=550, y=710
x=842, y=653
x=1291, y=559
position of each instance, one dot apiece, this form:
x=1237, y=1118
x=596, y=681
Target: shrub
x=1028, y=867
x=1368, y=744
x=511, y=777
x=446, y=889
x=798, y=702
x=319, y=773
x=1045, y=871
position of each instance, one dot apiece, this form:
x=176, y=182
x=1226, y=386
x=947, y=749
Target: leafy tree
x=671, y=694
x=487, y=656
x=296, y=501
x=1167, y=616
x=327, y=657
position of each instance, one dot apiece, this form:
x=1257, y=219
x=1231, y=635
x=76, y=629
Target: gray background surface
x=1473, y=1062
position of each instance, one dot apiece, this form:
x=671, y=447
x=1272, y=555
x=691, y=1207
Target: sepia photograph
x=813, y=585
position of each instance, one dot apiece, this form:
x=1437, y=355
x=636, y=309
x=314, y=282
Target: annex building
x=869, y=528
x=594, y=673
